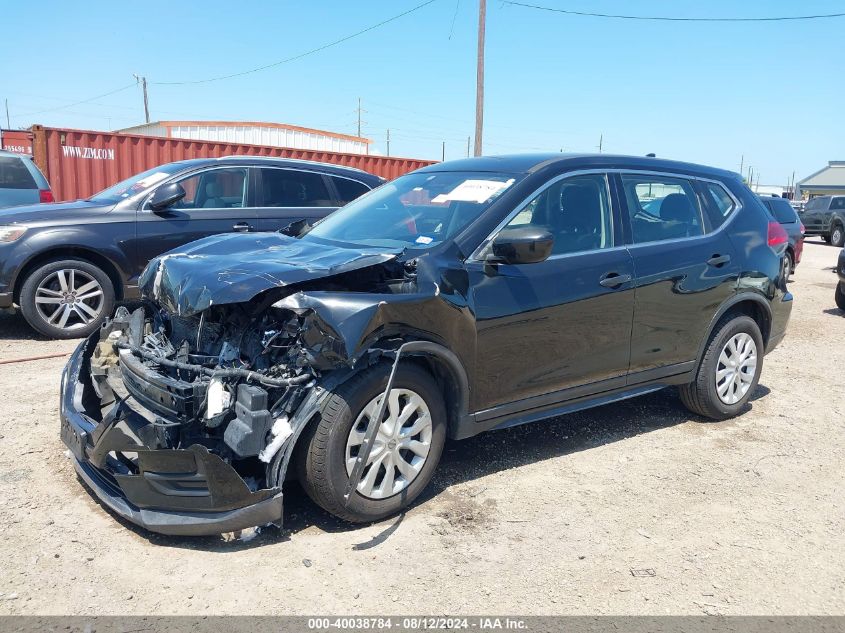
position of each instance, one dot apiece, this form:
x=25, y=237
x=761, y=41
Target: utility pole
x=143, y=82
x=601, y=141
x=468, y=141
x=359, y=117
x=443, y=153
x=388, y=142
x=741, y=162
x=479, y=77
x=8, y=125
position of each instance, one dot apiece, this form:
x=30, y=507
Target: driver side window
x=214, y=189
x=575, y=210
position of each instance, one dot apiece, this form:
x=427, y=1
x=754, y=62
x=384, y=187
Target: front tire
x=729, y=371
x=66, y=298
x=840, y=296
x=405, y=452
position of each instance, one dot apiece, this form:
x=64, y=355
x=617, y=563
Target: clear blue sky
x=704, y=92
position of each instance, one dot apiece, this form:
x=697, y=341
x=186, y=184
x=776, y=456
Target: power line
x=300, y=55
x=75, y=103
x=674, y=19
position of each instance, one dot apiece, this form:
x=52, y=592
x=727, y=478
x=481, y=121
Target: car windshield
x=415, y=211
x=137, y=183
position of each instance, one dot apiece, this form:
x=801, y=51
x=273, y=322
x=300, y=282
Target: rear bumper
x=180, y=492
x=781, y=311
x=840, y=266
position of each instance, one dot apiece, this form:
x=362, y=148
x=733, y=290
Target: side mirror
x=522, y=245
x=166, y=196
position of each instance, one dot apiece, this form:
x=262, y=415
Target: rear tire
x=837, y=236
x=788, y=266
x=323, y=458
x=67, y=298
x=840, y=296
x=717, y=374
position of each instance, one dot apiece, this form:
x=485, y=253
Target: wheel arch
x=747, y=303
x=71, y=252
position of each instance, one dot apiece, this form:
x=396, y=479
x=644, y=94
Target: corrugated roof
x=831, y=176
x=265, y=124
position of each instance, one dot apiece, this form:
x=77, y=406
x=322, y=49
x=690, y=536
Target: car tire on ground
x=840, y=295
x=729, y=370
x=826, y=238
x=67, y=298
x=788, y=265
x=837, y=235
x=326, y=452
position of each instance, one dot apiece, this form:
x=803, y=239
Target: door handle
x=614, y=280
x=719, y=260
x=242, y=227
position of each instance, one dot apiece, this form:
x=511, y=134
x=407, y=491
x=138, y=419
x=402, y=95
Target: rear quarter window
x=837, y=204
x=14, y=174
x=720, y=204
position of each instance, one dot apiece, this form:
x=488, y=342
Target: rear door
x=217, y=200
x=685, y=267
x=17, y=183
x=286, y=195
x=814, y=212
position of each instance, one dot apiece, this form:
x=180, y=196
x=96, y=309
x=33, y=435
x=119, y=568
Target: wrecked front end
x=181, y=415
x=173, y=430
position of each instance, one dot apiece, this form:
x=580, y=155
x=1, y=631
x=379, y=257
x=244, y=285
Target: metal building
x=255, y=133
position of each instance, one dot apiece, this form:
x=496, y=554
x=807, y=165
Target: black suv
x=825, y=216
x=466, y=296
x=66, y=264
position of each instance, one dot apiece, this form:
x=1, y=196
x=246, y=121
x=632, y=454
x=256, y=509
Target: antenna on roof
x=651, y=155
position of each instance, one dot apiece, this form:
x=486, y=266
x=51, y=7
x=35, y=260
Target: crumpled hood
x=235, y=267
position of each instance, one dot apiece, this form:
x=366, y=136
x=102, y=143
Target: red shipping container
x=79, y=163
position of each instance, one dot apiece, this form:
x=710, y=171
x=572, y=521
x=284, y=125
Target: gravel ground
x=632, y=508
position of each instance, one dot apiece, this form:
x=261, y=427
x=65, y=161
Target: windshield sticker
x=424, y=239
x=478, y=191
x=149, y=181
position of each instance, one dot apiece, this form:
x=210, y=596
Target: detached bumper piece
x=177, y=492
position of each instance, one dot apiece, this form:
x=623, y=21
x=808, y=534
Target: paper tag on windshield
x=150, y=180
x=473, y=191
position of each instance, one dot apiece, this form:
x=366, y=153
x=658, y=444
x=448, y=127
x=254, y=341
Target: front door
x=216, y=201
x=565, y=322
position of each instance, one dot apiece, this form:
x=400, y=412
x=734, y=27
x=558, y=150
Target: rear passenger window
x=661, y=208
x=292, y=188
x=14, y=174
x=348, y=190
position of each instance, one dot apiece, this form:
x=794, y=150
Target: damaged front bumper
x=179, y=492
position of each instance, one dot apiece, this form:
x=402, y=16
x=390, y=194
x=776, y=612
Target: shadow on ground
x=467, y=460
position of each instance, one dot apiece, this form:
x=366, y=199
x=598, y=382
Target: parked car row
x=21, y=182
x=465, y=296
x=66, y=264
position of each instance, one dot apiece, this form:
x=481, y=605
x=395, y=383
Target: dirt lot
x=631, y=508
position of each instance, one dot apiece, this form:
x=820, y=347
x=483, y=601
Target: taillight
x=777, y=234
x=45, y=195
x=803, y=228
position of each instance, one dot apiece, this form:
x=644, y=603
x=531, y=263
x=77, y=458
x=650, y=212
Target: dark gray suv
x=825, y=216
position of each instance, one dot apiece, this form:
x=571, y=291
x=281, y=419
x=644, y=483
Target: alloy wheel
x=400, y=448
x=69, y=299
x=736, y=368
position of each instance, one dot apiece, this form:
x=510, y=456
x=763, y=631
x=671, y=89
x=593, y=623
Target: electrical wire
x=76, y=103
x=821, y=16
x=300, y=55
